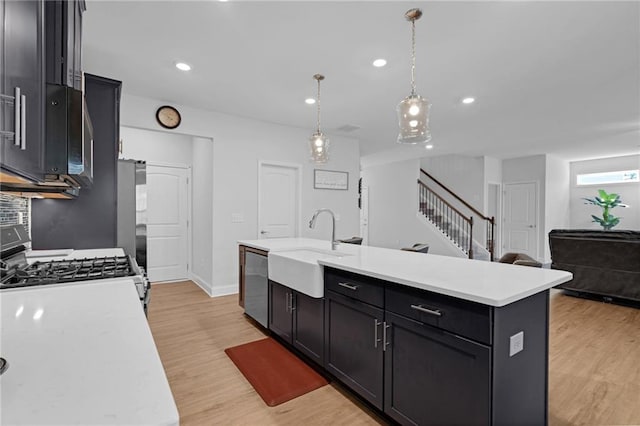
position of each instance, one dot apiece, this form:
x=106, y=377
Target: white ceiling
x=549, y=77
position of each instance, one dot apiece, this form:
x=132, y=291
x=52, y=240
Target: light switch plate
x=237, y=218
x=516, y=343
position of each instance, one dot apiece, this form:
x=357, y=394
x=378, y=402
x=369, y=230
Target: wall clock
x=168, y=117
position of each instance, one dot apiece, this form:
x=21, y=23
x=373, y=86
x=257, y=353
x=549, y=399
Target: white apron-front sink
x=299, y=269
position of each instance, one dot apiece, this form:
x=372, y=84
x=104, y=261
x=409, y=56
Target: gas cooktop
x=61, y=271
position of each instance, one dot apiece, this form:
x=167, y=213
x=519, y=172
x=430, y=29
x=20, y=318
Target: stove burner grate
x=61, y=271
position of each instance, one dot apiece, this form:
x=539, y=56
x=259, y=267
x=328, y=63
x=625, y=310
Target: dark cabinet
x=280, y=313
x=64, y=42
x=433, y=377
x=22, y=88
x=354, y=345
x=90, y=220
x=297, y=319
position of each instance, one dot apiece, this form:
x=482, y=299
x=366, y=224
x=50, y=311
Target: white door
x=364, y=215
x=167, y=222
x=278, y=201
x=520, y=231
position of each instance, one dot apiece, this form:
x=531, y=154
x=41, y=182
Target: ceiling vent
x=348, y=128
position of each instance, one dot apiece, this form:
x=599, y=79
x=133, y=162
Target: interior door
x=278, y=201
x=167, y=223
x=520, y=219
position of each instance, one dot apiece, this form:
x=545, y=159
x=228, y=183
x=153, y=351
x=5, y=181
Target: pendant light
x=413, y=111
x=318, y=142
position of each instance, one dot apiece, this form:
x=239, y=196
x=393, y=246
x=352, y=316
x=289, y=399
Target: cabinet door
x=308, y=326
x=353, y=345
x=280, y=300
x=241, y=283
x=433, y=377
x=23, y=68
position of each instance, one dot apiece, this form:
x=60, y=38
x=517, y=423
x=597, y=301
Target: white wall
x=462, y=174
x=202, y=212
x=393, y=207
x=156, y=146
x=239, y=144
x=557, y=198
x=629, y=192
x=529, y=169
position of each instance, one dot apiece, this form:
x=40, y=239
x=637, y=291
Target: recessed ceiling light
x=468, y=100
x=379, y=63
x=223, y=1
x=429, y=146
x=310, y=101
x=182, y=66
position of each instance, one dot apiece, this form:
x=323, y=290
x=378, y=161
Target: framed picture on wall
x=330, y=179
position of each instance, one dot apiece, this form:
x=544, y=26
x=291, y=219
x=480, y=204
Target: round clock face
x=168, y=117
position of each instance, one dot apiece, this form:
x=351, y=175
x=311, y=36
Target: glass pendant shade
x=413, y=120
x=319, y=148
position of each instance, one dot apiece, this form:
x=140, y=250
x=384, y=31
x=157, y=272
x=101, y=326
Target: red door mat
x=275, y=373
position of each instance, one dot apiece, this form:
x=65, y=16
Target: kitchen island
x=425, y=339
x=80, y=354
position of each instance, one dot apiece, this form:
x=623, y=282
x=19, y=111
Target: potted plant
x=606, y=202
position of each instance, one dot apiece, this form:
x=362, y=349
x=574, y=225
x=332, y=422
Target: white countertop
x=80, y=354
x=489, y=283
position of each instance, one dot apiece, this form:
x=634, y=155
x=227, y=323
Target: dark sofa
x=603, y=263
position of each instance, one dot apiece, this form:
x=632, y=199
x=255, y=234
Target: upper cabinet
x=64, y=42
x=41, y=44
x=22, y=88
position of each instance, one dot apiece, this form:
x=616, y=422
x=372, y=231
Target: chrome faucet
x=312, y=224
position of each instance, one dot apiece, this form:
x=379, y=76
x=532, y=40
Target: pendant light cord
x=318, y=130
x=413, y=57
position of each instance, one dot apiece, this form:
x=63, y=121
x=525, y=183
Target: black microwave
x=68, y=137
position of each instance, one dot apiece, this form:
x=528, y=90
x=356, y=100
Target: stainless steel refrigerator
x=132, y=209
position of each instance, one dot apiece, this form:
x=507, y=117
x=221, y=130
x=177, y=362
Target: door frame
x=537, y=211
x=189, y=170
x=298, y=170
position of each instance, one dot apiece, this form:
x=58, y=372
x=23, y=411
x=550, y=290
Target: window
x=623, y=176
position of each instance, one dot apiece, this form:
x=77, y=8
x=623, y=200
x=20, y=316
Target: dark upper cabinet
x=433, y=377
x=22, y=74
x=64, y=42
x=297, y=319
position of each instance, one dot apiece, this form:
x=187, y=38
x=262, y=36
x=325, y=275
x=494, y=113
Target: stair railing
x=489, y=222
x=451, y=221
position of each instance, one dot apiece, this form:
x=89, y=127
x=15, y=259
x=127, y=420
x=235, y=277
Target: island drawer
x=359, y=287
x=464, y=318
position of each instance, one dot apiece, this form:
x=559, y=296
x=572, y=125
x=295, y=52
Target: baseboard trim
x=224, y=290
x=204, y=285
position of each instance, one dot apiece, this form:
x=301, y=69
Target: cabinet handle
x=18, y=113
x=421, y=308
x=376, y=323
x=286, y=301
x=23, y=122
x=293, y=308
x=385, y=343
x=349, y=286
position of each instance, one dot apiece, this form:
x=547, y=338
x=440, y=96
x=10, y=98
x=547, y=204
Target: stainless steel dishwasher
x=256, y=282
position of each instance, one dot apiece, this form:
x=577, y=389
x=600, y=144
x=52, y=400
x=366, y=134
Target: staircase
x=452, y=222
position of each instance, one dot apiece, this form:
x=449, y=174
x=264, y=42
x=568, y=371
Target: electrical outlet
x=237, y=218
x=337, y=216
x=516, y=343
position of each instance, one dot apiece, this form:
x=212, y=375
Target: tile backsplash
x=14, y=210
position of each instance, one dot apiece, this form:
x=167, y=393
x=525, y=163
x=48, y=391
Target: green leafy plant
x=606, y=202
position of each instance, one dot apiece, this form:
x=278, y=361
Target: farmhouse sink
x=299, y=269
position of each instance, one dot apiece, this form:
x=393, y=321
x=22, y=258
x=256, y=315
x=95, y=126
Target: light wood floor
x=594, y=365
